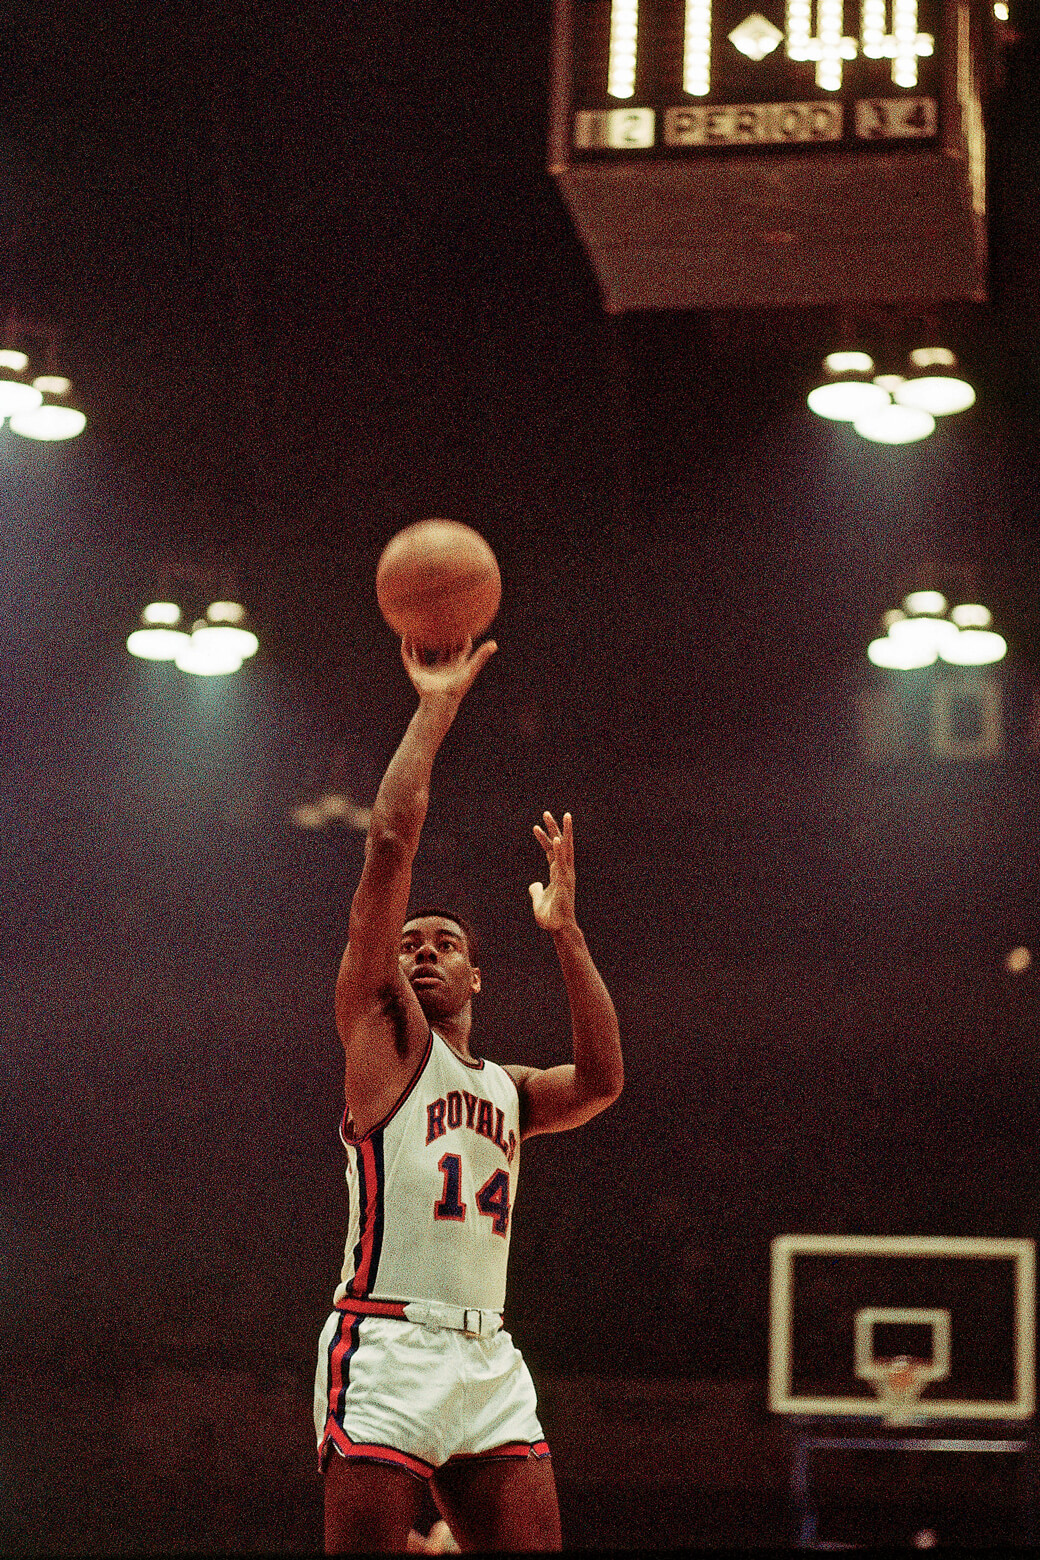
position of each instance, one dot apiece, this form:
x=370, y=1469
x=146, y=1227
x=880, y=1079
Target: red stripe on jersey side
x=372, y=1452
x=370, y=1237
x=348, y=1137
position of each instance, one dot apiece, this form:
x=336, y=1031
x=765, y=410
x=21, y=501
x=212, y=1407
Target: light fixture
x=891, y=408
x=847, y=392
x=31, y=415
x=971, y=614
x=216, y=646
x=332, y=806
x=918, y=603
x=930, y=631
x=934, y=384
x=308, y=815
x=920, y=633
x=226, y=624
x=17, y=397
x=923, y=602
x=205, y=657
x=893, y=423
x=850, y=361
x=340, y=807
x=974, y=647
x=158, y=638
x=49, y=423
x=900, y=655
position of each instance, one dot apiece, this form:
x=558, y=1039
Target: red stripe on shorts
x=362, y=1452
x=394, y=1308
x=521, y=1449
x=342, y=1350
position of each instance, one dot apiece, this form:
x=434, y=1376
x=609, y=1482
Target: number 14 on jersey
x=492, y=1200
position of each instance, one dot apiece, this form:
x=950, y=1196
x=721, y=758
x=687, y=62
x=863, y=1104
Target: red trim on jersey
x=370, y=1220
x=361, y=1451
x=514, y=1449
x=504, y=1067
x=354, y=1142
x=476, y=1064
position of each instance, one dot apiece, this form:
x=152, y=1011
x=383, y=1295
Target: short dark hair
x=450, y=915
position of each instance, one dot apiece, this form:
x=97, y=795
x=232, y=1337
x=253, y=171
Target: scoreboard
x=808, y=151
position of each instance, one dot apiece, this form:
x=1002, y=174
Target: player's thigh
x=368, y=1506
x=500, y=1503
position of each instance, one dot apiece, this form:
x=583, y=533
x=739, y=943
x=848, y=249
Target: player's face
x=435, y=960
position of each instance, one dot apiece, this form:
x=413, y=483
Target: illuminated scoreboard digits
x=828, y=46
x=624, y=48
x=697, y=48
x=642, y=67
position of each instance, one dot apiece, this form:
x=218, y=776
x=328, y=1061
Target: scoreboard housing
x=810, y=152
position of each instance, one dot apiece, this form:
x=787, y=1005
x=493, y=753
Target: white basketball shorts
x=397, y=1392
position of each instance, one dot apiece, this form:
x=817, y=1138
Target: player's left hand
x=553, y=905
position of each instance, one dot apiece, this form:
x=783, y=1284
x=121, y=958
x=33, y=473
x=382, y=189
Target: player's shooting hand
x=553, y=904
x=451, y=672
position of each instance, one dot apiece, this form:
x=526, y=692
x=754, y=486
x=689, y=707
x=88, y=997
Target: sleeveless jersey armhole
x=345, y=1132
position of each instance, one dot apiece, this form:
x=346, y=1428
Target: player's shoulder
x=387, y=1010
x=518, y=1073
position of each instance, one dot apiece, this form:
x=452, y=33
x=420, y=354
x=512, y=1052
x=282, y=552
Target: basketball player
x=416, y=1378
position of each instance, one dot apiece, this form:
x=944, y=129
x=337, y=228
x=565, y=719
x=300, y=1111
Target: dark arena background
x=313, y=278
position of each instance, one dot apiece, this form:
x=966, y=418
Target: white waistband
x=463, y=1319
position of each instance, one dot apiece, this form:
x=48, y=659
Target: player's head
x=439, y=957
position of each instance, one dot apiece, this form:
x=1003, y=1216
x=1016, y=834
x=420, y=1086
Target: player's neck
x=455, y=1031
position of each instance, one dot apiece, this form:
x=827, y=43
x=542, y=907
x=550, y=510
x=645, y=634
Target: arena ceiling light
x=216, y=646
x=971, y=614
x=902, y=656
x=931, y=632
x=975, y=647
x=926, y=629
x=893, y=423
x=49, y=423
x=846, y=391
x=920, y=603
x=227, y=625
x=934, y=383
x=203, y=656
x=335, y=806
x=37, y=409
x=158, y=638
x=891, y=408
x=15, y=395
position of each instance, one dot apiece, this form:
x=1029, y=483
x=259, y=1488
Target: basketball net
x=899, y=1383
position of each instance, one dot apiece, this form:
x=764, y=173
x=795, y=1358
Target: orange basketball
x=438, y=583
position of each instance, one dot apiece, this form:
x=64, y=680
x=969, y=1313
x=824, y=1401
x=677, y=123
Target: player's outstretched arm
x=369, y=972
x=553, y=1099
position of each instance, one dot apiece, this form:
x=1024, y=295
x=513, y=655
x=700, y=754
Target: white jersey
x=431, y=1187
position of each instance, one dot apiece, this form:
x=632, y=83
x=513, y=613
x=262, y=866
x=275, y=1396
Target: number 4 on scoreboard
x=889, y=119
